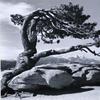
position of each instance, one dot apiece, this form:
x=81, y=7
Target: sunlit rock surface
x=44, y=75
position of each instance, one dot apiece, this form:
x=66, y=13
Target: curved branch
x=93, y=52
x=63, y=51
x=29, y=45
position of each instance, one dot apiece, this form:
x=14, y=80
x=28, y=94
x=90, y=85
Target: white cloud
x=8, y=8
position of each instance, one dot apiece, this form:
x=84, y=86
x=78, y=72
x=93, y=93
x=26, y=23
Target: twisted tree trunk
x=23, y=60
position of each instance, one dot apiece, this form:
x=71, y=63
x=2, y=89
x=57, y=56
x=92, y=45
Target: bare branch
x=93, y=52
x=63, y=51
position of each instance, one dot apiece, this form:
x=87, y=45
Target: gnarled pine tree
x=51, y=25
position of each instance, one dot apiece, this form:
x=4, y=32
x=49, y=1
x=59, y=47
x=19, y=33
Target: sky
x=10, y=39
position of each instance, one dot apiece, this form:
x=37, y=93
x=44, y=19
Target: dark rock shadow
x=27, y=96
x=63, y=91
x=52, y=92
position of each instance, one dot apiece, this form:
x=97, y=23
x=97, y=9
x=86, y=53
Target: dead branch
x=93, y=52
x=63, y=51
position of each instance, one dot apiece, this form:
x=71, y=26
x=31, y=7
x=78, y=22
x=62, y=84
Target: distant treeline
x=7, y=65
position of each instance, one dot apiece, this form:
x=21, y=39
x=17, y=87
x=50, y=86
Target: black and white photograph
x=50, y=49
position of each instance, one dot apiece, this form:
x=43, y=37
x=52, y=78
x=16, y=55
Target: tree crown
x=59, y=22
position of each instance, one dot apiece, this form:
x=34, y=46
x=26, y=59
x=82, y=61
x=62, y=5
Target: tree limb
x=63, y=51
x=93, y=52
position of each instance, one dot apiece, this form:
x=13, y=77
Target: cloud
x=8, y=8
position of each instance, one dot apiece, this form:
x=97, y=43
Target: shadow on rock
x=63, y=91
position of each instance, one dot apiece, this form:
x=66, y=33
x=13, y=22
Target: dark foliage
x=59, y=22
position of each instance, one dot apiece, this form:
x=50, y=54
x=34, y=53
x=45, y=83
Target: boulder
x=86, y=74
x=44, y=75
x=57, y=76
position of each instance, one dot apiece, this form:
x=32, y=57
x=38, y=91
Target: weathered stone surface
x=57, y=76
x=44, y=75
x=86, y=74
